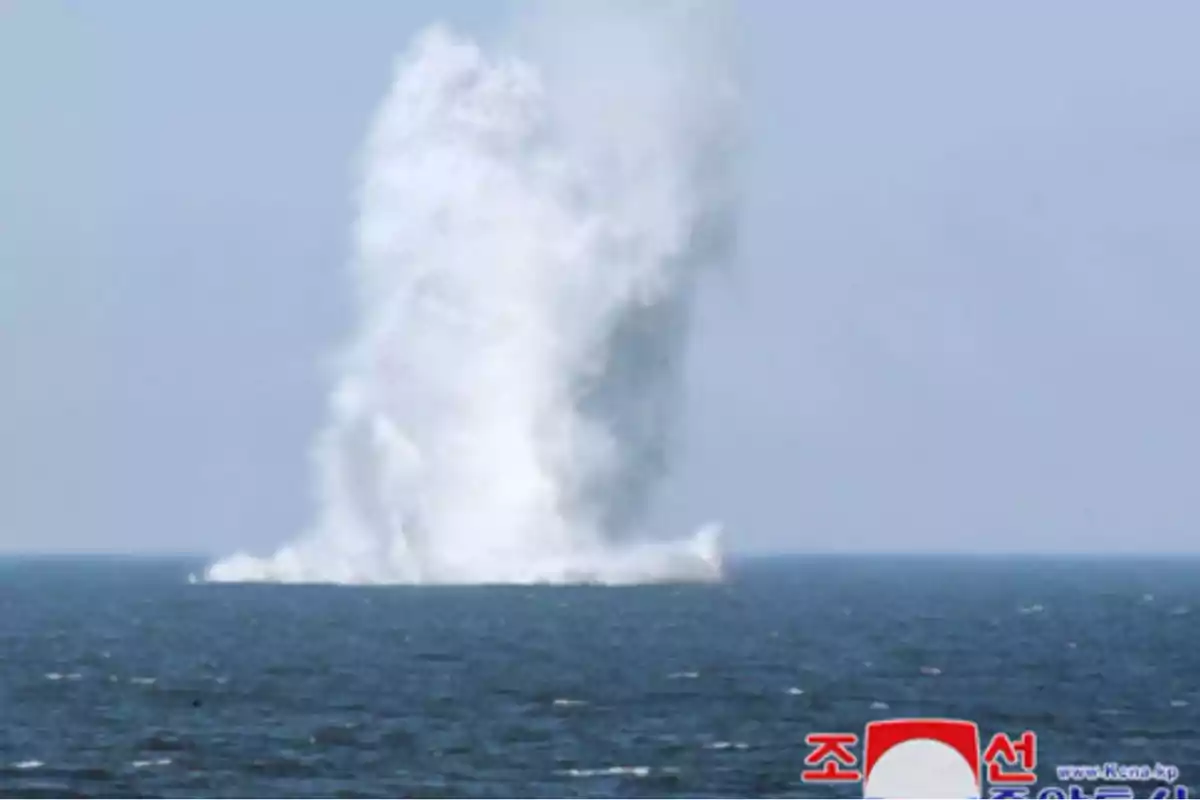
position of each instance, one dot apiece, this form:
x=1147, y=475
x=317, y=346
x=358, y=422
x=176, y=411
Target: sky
x=959, y=318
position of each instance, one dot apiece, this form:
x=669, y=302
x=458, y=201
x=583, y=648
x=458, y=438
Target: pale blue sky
x=962, y=317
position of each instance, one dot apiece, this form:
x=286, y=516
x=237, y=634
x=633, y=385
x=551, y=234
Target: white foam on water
x=637, y=772
x=727, y=746
x=31, y=764
x=532, y=226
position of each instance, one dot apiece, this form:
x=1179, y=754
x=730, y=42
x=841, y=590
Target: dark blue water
x=117, y=677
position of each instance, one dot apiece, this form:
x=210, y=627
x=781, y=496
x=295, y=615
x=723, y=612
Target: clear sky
x=962, y=316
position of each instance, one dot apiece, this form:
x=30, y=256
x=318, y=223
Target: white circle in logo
x=921, y=768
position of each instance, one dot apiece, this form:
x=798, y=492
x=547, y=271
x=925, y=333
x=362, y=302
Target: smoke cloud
x=532, y=226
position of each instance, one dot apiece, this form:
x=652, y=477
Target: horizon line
x=734, y=554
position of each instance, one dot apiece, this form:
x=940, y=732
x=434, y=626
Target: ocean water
x=119, y=678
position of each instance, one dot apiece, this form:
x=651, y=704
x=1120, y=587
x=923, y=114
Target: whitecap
x=727, y=746
x=158, y=762
x=879, y=705
x=795, y=691
x=639, y=772
x=31, y=764
x=1179, y=703
x=930, y=671
x=143, y=681
x=54, y=676
x=566, y=702
x=683, y=675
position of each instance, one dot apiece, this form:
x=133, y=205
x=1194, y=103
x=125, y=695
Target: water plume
x=532, y=225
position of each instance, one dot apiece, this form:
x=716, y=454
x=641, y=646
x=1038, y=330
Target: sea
x=119, y=678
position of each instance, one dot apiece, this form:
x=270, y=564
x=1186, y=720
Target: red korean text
x=1009, y=761
x=831, y=760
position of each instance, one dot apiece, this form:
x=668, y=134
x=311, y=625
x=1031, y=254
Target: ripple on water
x=281, y=767
x=163, y=741
x=345, y=734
